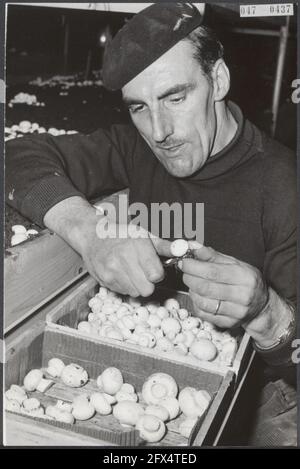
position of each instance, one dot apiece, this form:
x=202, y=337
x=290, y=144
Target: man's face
x=172, y=106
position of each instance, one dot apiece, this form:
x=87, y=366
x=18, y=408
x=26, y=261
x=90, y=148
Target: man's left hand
x=224, y=290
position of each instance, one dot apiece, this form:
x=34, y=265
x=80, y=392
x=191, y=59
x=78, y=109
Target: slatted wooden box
x=74, y=309
x=34, y=351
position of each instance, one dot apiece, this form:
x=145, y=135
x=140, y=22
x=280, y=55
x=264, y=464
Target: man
x=188, y=144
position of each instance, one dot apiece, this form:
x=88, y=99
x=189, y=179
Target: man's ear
x=221, y=80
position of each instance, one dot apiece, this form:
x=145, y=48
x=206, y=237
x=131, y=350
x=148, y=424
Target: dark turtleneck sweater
x=248, y=189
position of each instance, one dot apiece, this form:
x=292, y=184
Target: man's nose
x=161, y=126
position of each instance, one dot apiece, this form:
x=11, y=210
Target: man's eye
x=136, y=108
x=177, y=99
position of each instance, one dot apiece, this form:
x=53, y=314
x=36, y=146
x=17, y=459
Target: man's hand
x=125, y=258
x=213, y=277
x=123, y=262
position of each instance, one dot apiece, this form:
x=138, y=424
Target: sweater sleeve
x=280, y=222
x=43, y=170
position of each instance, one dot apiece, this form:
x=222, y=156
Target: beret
x=144, y=38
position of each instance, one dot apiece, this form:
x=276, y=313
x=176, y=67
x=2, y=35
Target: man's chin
x=179, y=171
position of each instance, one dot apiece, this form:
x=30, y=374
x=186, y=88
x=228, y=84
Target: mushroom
x=193, y=403
x=203, y=349
x=158, y=411
x=183, y=314
x=162, y=312
x=126, y=396
x=15, y=394
x=101, y=405
x=122, y=311
x=102, y=293
x=170, y=327
x=19, y=229
x=228, y=352
x=141, y=314
x=154, y=321
x=60, y=415
x=85, y=327
x=181, y=349
x=152, y=306
x=186, y=426
x=82, y=409
x=171, y=304
x=32, y=380
x=128, y=412
x=202, y=334
x=134, y=302
x=157, y=387
x=114, y=334
x=74, y=375
x=164, y=344
x=12, y=405
x=172, y=406
x=110, y=380
x=31, y=404
x=179, y=247
x=141, y=328
x=147, y=340
x=189, y=338
x=151, y=428
x=128, y=388
x=190, y=323
x=17, y=239
x=55, y=367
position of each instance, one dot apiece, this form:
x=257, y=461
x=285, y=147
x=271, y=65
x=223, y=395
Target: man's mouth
x=173, y=149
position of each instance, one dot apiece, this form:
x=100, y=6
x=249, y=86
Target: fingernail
x=179, y=265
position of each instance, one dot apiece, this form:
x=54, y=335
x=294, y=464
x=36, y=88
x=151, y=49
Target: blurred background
x=54, y=58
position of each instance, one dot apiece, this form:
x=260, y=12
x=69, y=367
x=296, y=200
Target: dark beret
x=146, y=37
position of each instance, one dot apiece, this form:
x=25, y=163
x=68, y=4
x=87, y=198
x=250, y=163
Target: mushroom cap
x=203, y=349
x=31, y=403
x=193, y=402
x=32, y=379
x=158, y=411
x=85, y=327
x=128, y=412
x=151, y=428
x=74, y=375
x=12, y=405
x=112, y=380
x=56, y=364
x=83, y=410
x=171, y=304
x=172, y=406
x=14, y=395
x=159, y=386
x=126, y=396
x=179, y=247
x=100, y=403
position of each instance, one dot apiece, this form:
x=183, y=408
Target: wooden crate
x=35, y=348
x=66, y=316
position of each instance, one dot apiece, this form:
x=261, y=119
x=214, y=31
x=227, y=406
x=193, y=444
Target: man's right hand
x=124, y=263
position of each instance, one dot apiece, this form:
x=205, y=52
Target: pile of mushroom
x=26, y=127
x=25, y=98
x=159, y=400
x=167, y=329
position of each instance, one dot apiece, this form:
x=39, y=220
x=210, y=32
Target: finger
x=224, y=322
x=162, y=246
x=208, y=254
x=219, y=291
x=232, y=274
x=226, y=308
x=149, y=261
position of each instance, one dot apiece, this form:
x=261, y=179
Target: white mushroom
x=114, y=334
x=190, y=323
x=85, y=327
x=141, y=328
x=101, y=405
x=17, y=239
x=154, y=321
x=203, y=349
x=181, y=349
x=126, y=396
x=171, y=304
x=32, y=380
x=179, y=247
x=111, y=380
x=128, y=412
x=162, y=312
x=172, y=406
x=128, y=388
x=158, y=411
x=170, y=327
x=202, y=334
x=183, y=314
x=165, y=345
x=228, y=352
x=74, y=375
x=157, y=387
x=15, y=395
x=193, y=403
x=82, y=409
x=19, y=229
x=147, y=340
x=12, y=405
x=189, y=338
x=152, y=306
x=151, y=428
x=55, y=367
x=31, y=404
x=141, y=314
